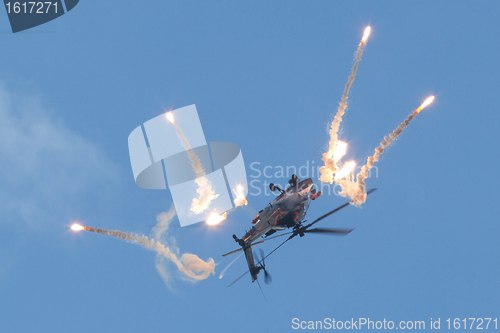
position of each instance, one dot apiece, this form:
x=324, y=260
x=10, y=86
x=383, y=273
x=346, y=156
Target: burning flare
x=170, y=117
x=424, y=105
x=366, y=34
x=216, y=218
x=347, y=169
x=240, y=196
x=340, y=151
x=77, y=227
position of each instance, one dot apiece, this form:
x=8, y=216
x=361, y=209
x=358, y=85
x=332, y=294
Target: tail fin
x=251, y=263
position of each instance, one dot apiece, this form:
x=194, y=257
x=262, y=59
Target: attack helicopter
x=287, y=210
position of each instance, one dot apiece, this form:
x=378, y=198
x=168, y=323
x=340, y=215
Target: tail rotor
x=267, y=277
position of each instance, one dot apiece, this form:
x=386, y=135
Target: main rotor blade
x=238, y=278
x=310, y=224
x=276, y=248
x=328, y=214
x=335, y=210
x=241, y=249
x=284, y=234
x=294, y=233
x=340, y=232
x=261, y=291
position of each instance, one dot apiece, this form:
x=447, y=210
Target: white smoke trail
x=193, y=268
x=330, y=166
x=190, y=265
x=205, y=192
x=357, y=190
x=227, y=267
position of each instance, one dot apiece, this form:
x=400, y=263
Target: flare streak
x=330, y=167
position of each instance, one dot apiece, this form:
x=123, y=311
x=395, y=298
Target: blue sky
x=267, y=76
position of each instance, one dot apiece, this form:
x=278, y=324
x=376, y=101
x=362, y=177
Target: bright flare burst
x=340, y=151
x=424, y=104
x=347, y=169
x=170, y=117
x=206, y=195
x=366, y=34
x=240, y=199
x=77, y=227
x=216, y=218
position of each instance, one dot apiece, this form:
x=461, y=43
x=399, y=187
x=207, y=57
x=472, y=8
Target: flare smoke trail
x=357, y=190
x=330, y=166
x=189, y=262
x=190, y=265
x=205, y=191
x=227, y=267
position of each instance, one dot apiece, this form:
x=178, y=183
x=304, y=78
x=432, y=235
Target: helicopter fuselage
x=286, y=211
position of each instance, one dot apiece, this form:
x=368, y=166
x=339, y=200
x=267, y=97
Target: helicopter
x=287, y=210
